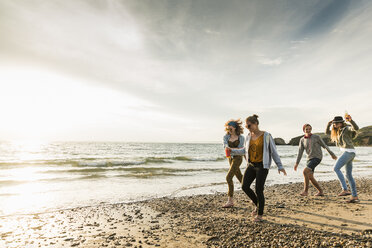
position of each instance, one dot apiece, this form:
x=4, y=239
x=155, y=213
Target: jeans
x=346, y=159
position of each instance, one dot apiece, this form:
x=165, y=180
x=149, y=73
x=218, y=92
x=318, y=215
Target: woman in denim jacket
x=233, y=139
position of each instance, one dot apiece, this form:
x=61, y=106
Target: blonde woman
x=233, y=139
x=343, y=135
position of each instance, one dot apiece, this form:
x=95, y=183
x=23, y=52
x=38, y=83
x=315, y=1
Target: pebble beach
x=199, y=221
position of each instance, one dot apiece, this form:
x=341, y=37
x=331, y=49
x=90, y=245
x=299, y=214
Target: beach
x=199, y=221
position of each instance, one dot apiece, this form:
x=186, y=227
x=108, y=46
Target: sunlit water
x=38, y=177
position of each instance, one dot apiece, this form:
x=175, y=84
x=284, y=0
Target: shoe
x=319, y=194
x=353, y=201
x=344, y=193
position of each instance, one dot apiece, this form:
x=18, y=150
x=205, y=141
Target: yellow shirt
x=256, y=150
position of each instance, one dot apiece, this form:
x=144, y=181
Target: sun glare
x=27, y=150
x=43, y=105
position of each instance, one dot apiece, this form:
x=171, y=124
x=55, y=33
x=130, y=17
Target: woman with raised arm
x=233, y=139
x=311, y=144
x=260, y=150
x=343, y=135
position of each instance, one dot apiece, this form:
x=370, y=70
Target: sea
x=37, y=177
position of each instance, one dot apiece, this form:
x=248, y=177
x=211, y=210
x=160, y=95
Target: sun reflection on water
x=28, y=150
x=23, y=185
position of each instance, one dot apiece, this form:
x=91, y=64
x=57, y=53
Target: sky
x=177, y=70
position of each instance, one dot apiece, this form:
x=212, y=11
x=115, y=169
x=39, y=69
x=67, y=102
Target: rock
x=364, y=137
x=279, y=141
x=296, y=140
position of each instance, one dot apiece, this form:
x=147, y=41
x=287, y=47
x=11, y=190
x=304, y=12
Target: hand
x=330, y=122
x=348, y=118
x=284, y=172
x=295, y=167
x=334, y=157
x=228, y=148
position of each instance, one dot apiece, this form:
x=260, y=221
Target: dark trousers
x=260, y=174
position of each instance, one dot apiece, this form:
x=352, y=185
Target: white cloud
x=270, y=62
x=224, y=60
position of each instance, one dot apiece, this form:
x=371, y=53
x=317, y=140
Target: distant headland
x=363, y=138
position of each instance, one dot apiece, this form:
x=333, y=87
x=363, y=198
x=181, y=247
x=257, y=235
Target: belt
x=255, y=164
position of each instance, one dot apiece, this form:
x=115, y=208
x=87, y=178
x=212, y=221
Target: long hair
x=239, y=126
x=335, y=132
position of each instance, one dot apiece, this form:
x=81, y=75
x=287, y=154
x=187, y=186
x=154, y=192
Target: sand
x=199, y=221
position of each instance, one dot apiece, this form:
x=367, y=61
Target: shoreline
x=168, y=196
x=199, y=221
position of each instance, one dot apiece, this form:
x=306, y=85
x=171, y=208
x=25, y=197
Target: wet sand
x=199, y=221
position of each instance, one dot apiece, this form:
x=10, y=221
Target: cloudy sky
x=176, y=71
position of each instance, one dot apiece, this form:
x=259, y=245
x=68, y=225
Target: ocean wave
x=129, y=170
x=107, y=162
x=181, y=158
x=288, y=156
x=93, y=176
x=8, y=194
x=10, y=182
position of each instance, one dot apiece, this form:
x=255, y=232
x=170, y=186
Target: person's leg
x=229, y=177
x=238, y=173
x=315, y=184
x=230, y=192
x=349, y=176
x=260, y=185
x=341, y=161
x=248, y=178
x=306, y=182
x=312, y=163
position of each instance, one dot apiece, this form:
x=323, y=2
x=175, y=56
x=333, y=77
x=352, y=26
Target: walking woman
x=233, y=139
x=343, y=135
x=260, y=149
x=312, y=144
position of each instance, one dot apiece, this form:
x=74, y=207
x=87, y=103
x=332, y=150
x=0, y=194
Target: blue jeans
x=346, y=159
